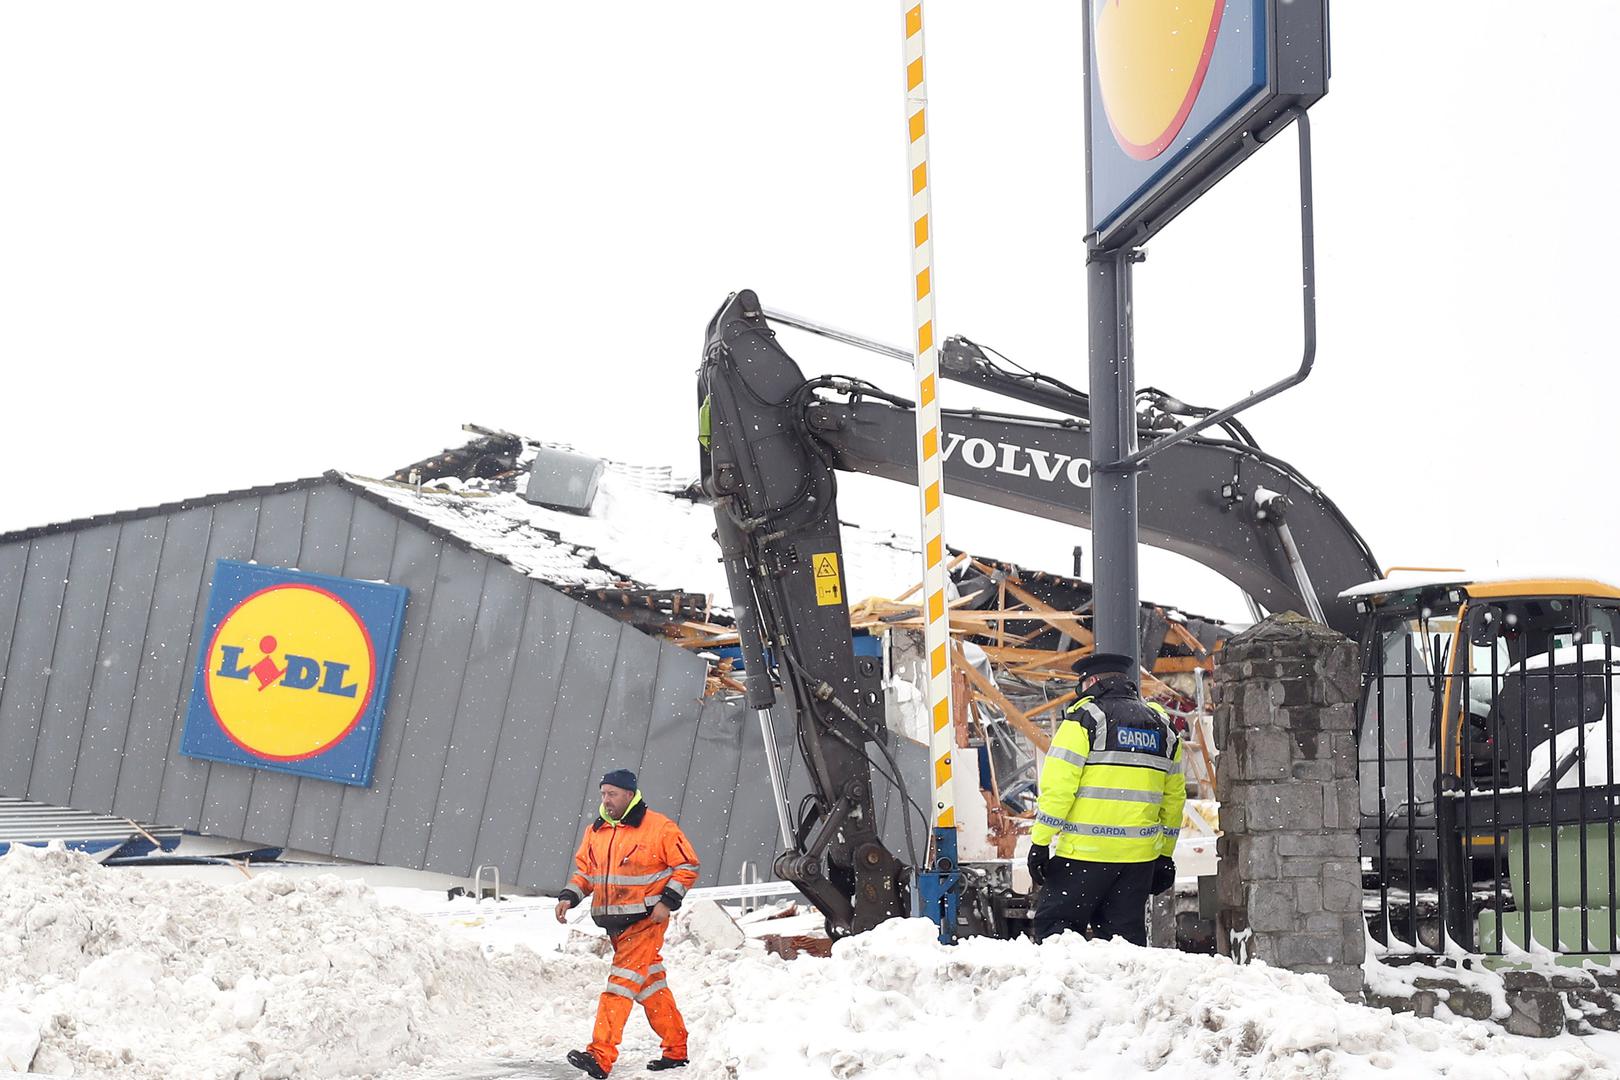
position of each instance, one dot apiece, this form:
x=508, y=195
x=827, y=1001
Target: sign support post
x=1113, y=438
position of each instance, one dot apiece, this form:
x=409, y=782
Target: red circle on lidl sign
x=290, y=671
x=1152, y=56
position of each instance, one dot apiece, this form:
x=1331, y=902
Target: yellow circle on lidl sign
x=291, y=670
x=1151, y=58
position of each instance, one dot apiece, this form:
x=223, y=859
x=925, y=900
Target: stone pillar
x=1289, y=880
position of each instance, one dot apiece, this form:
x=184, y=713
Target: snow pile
x=894, y=1003
x=109, y=973
x=113, y=973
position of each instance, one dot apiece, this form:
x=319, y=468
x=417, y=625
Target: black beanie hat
x=621, y=778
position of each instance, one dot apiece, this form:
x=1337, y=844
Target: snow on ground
x=107, y=973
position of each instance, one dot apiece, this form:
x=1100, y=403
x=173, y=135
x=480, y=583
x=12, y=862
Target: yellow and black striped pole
x=935, y=884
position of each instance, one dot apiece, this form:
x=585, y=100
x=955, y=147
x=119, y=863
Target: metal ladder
x=478, y=882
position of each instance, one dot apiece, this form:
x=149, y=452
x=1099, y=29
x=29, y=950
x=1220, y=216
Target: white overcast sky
x=242, y=243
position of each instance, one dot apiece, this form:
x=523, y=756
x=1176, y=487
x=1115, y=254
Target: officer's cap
x=1104, y=663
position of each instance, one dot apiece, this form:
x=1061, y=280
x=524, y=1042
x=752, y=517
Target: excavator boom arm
x=773, y=443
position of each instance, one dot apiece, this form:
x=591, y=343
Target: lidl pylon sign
x=1179, y=91
x=292, y=671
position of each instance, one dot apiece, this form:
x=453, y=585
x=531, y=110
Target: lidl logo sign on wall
x=1177, y=92
x=293, y=670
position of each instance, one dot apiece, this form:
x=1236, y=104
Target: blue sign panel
x=292, y=671
x=1179, y=92
x=1166, y=76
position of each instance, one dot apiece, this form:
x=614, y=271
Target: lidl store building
x=426, y=671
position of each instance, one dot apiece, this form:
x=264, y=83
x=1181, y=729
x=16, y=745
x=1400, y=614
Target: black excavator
x=773, y=442
x=1465, y=680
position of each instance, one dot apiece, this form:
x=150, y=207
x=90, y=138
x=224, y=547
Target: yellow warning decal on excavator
x=829, y=586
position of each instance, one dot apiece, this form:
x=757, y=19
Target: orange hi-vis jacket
x=627, y=866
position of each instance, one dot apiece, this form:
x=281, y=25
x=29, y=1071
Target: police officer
x=1111, y=795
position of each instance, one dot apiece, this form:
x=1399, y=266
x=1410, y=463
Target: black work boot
x=666, y=1063
x=586, y=1062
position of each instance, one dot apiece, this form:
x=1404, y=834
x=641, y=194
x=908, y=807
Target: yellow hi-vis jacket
x=1112, y=787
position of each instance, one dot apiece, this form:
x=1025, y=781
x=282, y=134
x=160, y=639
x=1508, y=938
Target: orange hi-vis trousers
x=637, y=975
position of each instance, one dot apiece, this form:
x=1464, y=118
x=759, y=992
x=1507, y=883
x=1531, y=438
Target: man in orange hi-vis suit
x=636, y=865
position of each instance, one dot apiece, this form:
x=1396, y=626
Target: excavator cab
x=1486, y=754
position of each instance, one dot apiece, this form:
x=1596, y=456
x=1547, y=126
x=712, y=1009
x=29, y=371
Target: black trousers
x=1109, y=898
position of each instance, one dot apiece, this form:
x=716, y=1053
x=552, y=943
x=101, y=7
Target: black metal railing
x=1488, y=760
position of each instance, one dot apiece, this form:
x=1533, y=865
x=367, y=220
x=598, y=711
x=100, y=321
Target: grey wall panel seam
x=343, y=571
x=556, y=699
x=382, y=705
x=258, y=519
x=461, y=691
x=138, y=642
x=186, y=660
x=95, y=666
x=652, y=711
x=652, y=698
x=303, y=519
x=500, y=729
x=697, y=727
x=16, y=617
x=410, y=694
x=50, y=672
x=601, y=717
x=742, y=754
x=382, y=712
x=140, y=666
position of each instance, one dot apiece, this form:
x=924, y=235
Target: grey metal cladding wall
x=165, y=663
x=625, y=715
x=232, y=529
x=508, y=698
x=751, y=836
x=415, y=565
x=492, y=662
x=514, y=780
x=28, y=665
x=74, y=660
x=331, y=536
x=711, y=784
x=434, y=695
x=121, y=653
x=666, y=759
x=263, y=800
x=565, y=779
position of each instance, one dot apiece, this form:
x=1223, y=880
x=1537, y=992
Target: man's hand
x=659, y=913
x=1038, y=858
x=1164, y=874
x=562, y=909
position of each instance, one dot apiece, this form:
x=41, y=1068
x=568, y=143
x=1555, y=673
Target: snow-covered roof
x=1398, y=582
x=1478, y=584
x=642, y=530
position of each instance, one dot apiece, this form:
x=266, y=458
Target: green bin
x=1538, y=904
